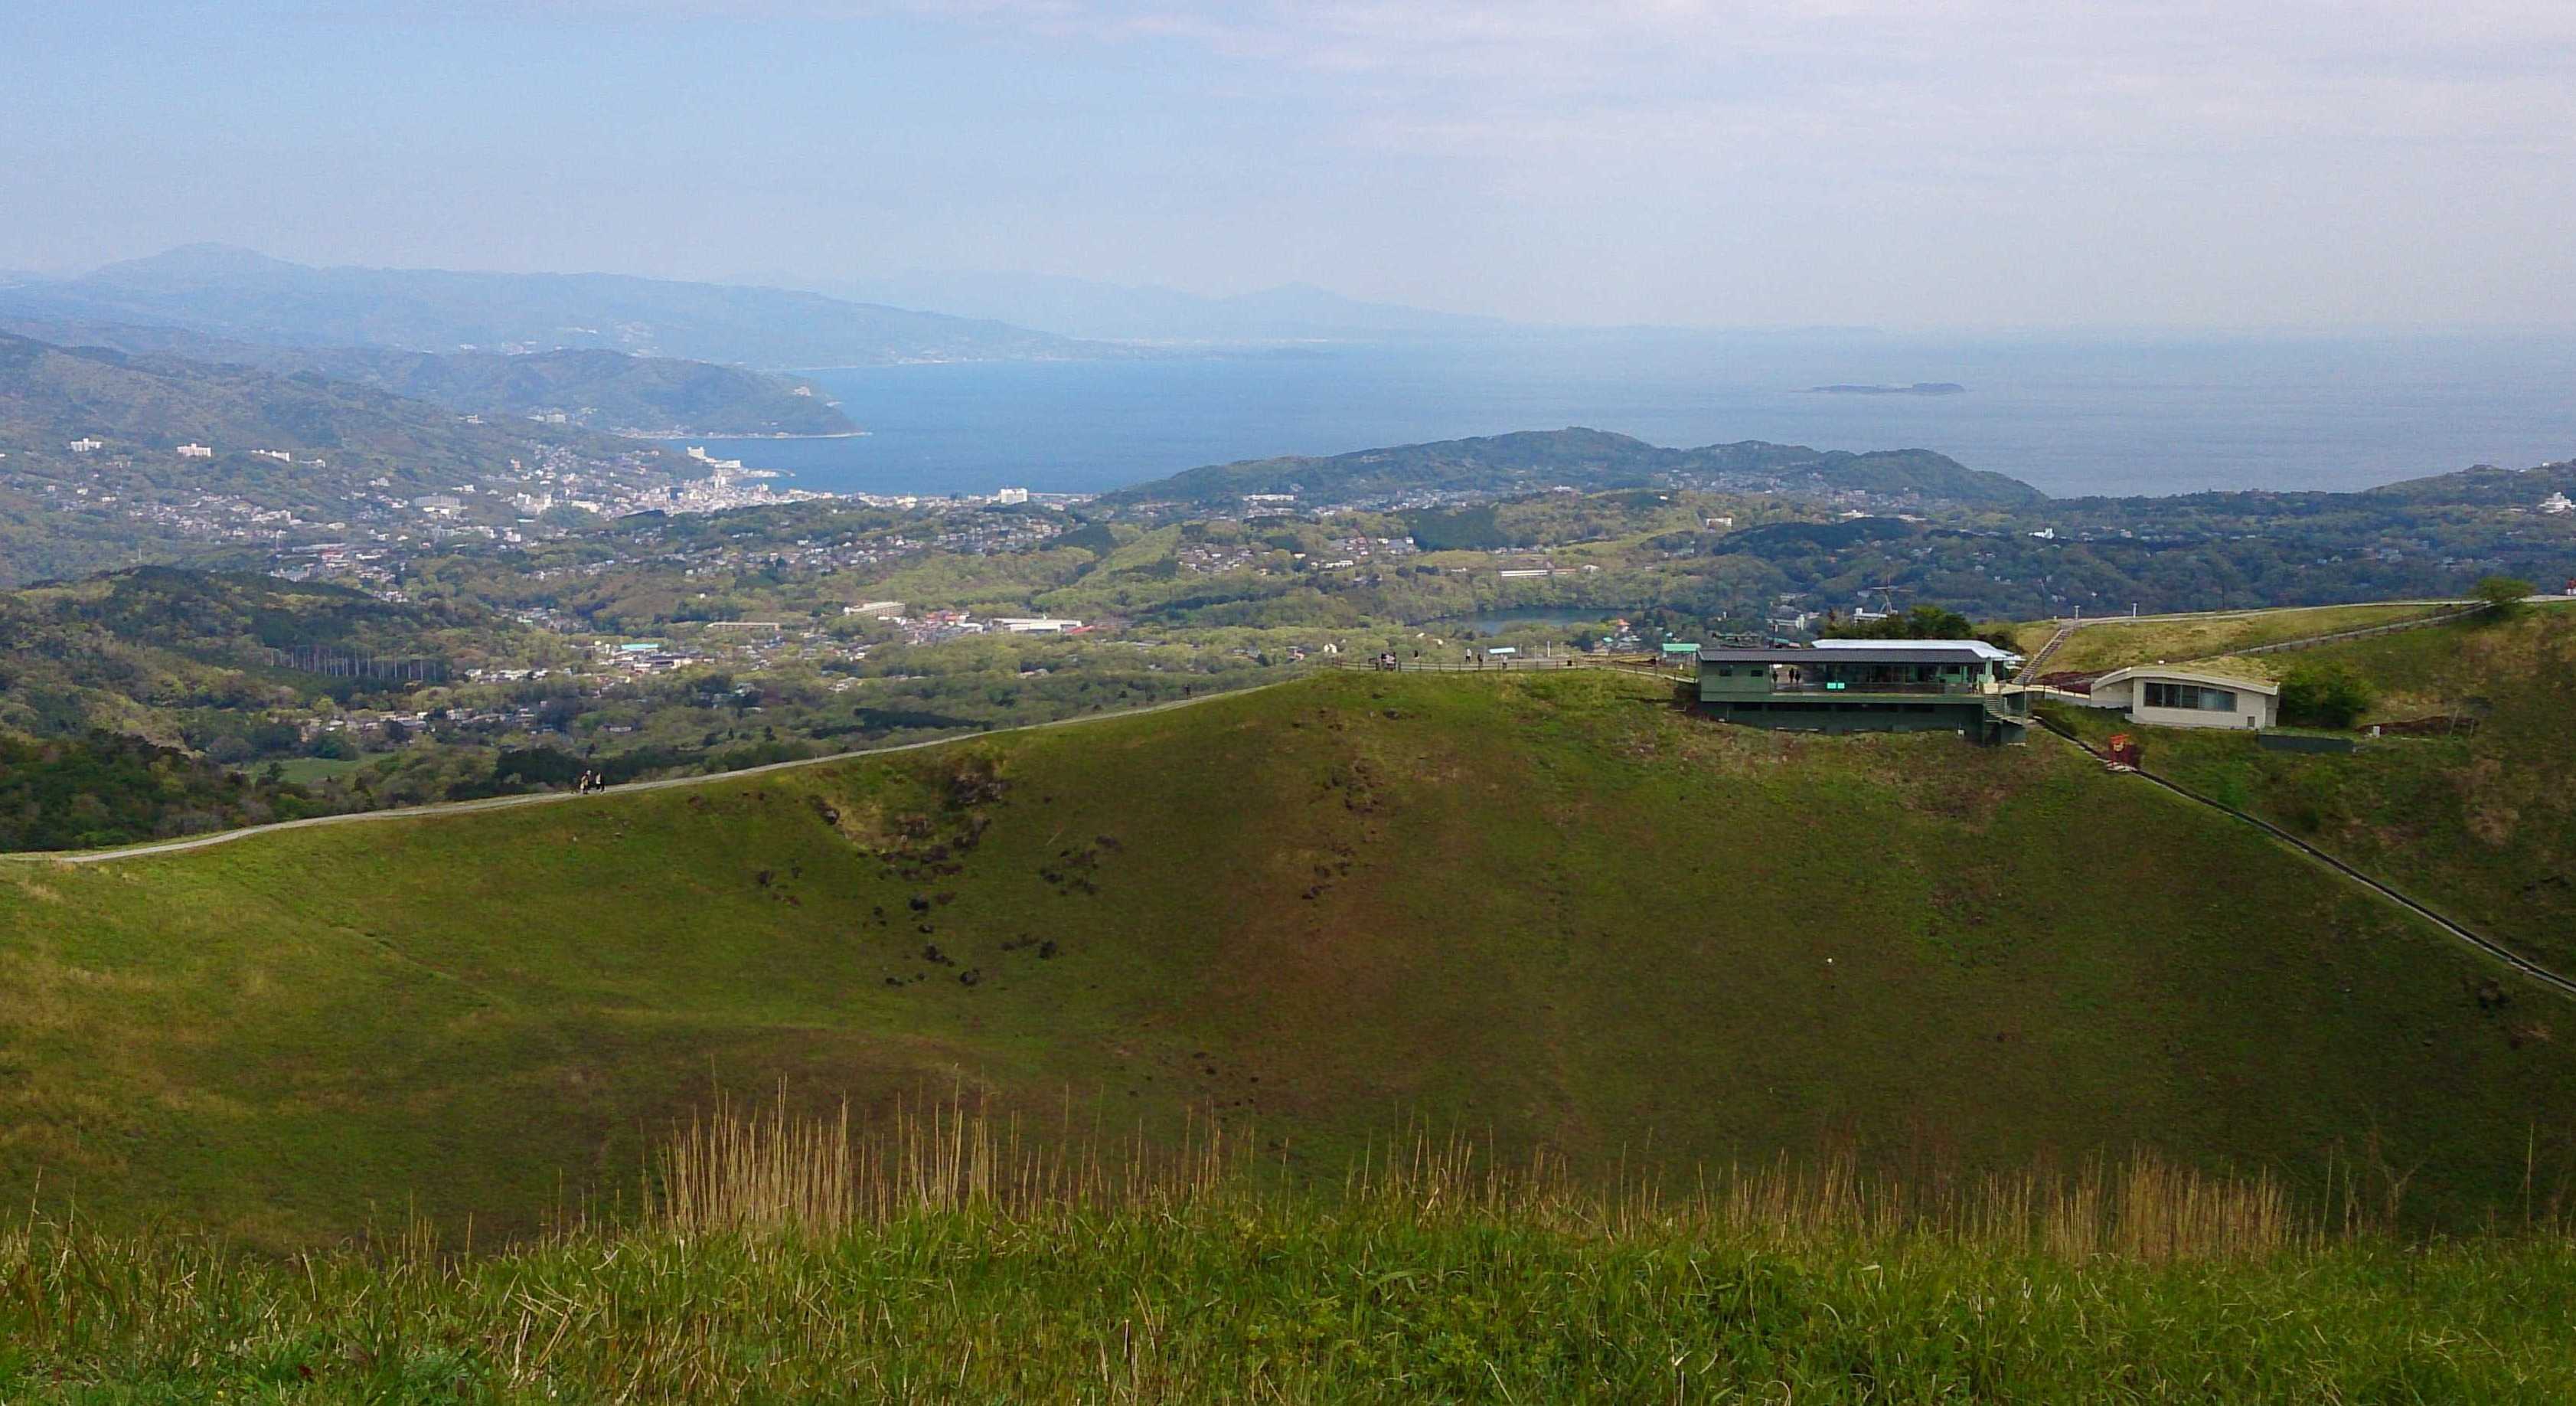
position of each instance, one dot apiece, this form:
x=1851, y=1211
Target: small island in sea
x=1918, y=388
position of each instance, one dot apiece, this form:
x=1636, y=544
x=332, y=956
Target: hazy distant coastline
x=1918, y=388
x=2074, y=417
x=679, y=436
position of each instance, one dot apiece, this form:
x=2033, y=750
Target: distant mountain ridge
x=595, y=388
x=241, y=294
x=1500, y=465
x=50, y=393
x=158, y=403
x=2484, y=485
x=602, y=389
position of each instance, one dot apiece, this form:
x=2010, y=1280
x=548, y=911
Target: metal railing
x=1522, y=665
x=2030, y=667
x=2393, y=627
x=2452, y=926
x=1834, y=686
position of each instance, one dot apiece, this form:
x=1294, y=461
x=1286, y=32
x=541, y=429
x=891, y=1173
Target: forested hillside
x=51, y=394
x=107, y=458
x=1583, y=459
x=594, y=388
x=158, y=702
x=162, y=652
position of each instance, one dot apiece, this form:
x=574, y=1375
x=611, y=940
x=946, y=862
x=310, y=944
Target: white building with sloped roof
x=2165, y=696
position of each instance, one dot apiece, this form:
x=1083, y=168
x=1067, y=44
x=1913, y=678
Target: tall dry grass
x=2143, y=1206
x=945, y=1252
x=771, y=1170
x=758, y=1169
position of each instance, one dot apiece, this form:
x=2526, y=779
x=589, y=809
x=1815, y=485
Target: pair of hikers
x=590, y=781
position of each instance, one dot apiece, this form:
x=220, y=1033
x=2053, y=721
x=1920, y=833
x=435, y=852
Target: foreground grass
x=940, y=1257
x=1280, y=1303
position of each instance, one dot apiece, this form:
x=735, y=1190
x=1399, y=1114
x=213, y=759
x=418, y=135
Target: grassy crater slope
x=2480, y=823
x=2165, y=639
x=1551, y=909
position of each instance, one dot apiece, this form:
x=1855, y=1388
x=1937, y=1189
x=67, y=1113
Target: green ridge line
x=2489, y=946
x=445, y=808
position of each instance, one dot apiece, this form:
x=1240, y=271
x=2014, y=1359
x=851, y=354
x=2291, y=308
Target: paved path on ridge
x=538, y=798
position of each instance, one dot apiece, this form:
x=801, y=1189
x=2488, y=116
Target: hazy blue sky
x=1896, y=162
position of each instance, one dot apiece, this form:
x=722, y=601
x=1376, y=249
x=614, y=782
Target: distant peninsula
x=1449, y=472
x=1918, y=388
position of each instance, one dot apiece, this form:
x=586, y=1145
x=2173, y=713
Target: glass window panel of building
x=2190, y=697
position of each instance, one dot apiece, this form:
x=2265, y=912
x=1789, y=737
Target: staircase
x=2030, y=667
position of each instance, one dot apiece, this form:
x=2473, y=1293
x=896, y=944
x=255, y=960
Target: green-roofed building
x=1902, y=686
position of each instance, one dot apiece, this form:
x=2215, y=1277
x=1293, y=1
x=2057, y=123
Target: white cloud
x=2154, y=160
x=1715, y=160
x=2138, y=70
x=2137, y=74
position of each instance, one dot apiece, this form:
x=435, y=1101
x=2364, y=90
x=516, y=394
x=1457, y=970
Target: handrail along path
x=2461, y=931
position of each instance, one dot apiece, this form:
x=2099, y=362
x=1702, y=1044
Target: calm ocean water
x=2073, y=417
